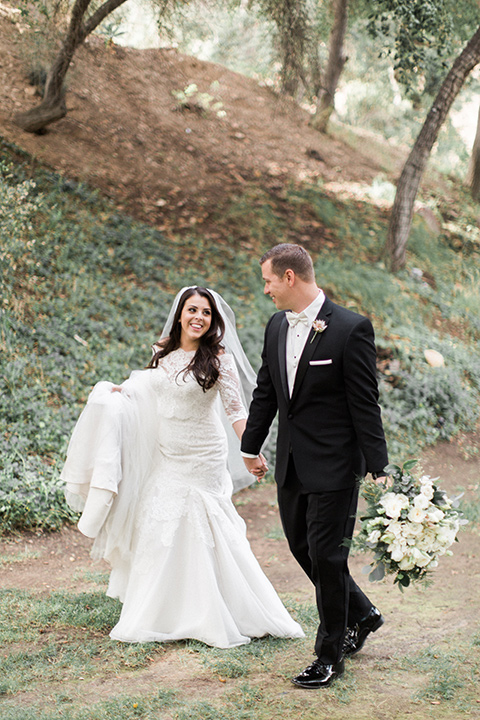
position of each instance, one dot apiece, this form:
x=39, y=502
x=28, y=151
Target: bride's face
x=195, y=319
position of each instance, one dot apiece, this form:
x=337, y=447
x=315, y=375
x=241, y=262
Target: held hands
x=256, y=466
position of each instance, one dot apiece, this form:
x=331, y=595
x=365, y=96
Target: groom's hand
x=256, y=466
x=383, y=479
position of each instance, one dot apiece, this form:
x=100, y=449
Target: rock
x=434, y=358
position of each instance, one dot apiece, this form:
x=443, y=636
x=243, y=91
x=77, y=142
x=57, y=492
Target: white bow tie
x=295, y=318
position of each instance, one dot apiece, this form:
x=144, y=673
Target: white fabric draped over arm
x=111, y=452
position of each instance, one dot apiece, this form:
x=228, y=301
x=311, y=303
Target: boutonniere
x=318, y=326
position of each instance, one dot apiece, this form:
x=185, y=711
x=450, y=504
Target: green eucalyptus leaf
x=392, y=469
x=378, y=573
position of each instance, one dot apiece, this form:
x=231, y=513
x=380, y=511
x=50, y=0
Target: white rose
x=393, y=531
x=428, y=536
x=374, y=537
x=435, y=515
x=426, y=484
x=407, y=563
x=413, y=529
x=394, y=503
x=421, y=502
x=421, y=558
x=427, y=491
x=416, y=515
x=397, y=552
x=446, y=536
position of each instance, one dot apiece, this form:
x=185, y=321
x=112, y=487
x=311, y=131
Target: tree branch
x=99, y=15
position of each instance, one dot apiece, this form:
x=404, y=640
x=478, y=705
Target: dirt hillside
x=124, y=133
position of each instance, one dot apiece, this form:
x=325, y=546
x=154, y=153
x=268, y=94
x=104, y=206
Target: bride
x=151, y=466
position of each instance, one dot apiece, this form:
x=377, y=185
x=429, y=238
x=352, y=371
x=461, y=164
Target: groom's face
x=277, y=287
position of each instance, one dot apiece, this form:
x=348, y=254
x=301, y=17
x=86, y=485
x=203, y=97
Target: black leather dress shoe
x=356, y=636
x=318, y=675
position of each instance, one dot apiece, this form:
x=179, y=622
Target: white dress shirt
x=297, y=337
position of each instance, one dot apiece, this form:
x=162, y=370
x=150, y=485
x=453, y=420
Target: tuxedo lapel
x=282, y=355
x=311, y=345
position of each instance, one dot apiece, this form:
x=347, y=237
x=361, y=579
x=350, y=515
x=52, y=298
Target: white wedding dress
x=181, y=563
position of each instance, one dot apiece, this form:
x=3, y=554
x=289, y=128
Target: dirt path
x=443, y=616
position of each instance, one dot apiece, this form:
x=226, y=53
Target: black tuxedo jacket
x=332, y=423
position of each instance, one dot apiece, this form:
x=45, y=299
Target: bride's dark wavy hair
x=205, y=364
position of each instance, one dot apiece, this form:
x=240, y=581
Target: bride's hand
x=256, y=466
x=116, y=388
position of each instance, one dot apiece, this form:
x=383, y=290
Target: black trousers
x=315, y=525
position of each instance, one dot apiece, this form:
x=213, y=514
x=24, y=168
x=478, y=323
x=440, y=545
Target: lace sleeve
x=229, y=384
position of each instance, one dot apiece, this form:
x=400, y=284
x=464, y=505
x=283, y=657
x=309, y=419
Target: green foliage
x=30, y=498
x=70, y=313
x=191, y=99
x=429, y=403
x=432, y=404
x=45, y=20
x=111, y=30
x=421, y=28
x=282, y=43
x=294, y=27
x=374, y=96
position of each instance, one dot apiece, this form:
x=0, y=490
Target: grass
x=447, y=673
x=275, y=533
x=60, y=665
x=18, y=557
x=471, y=509
x=33, y=628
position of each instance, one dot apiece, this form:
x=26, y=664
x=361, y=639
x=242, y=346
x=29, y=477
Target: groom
x=318, y=370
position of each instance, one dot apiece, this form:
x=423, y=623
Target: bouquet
x=408, y=524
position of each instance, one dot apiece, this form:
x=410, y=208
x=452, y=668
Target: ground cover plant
x=85, y=290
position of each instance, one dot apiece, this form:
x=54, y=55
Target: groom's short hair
x=288, y=256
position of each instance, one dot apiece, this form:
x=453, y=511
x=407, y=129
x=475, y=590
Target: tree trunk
x=407, y=187
x=336, y=61
x=474, y=169
x=290, y=21
x=53, y=107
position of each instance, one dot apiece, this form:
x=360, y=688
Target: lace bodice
x=181, y=396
